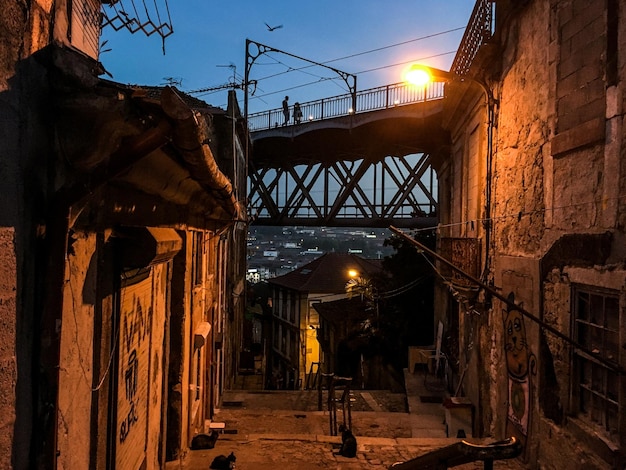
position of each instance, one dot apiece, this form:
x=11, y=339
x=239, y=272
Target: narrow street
x=283, y=429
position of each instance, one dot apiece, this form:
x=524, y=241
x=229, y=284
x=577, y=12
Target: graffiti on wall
x=133, y=373
x=136, y=323
x=521, y=366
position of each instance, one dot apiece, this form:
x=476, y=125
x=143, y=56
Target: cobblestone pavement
x=284, y=430
x=305, y=452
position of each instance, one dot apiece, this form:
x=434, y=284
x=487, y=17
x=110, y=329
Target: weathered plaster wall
x=24, y=28
x=467, y=172
x=556, y=313
x=8, y=360
x=13, y=22
x=180, y=338
x=578, y=188
x=523, y=130
x=191, y=304
x=160, y=286
x=201, y=298
x=76, y=357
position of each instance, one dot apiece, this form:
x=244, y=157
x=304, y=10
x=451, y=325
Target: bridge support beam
x=397, y=191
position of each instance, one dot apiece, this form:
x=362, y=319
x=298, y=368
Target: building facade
x=532, y=206
x=122, y=241
x=296, y=351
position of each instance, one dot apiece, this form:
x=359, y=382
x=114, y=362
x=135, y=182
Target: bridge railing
x=372, y=99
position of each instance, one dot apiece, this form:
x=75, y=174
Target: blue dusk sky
x=374, y=40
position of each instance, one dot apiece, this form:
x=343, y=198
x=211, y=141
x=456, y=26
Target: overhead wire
x=370, y=51
x=319, y=77
x=520, y=214
x=357, y=54
x=361, y=72
x=403, y=289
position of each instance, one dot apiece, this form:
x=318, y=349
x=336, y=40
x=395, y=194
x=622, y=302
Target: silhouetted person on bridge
x=286, y=110
x=297, y=113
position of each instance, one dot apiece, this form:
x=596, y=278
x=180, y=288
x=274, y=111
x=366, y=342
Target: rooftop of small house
x=327, y=274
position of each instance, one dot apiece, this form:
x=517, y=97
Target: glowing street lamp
x=421, y=75
x=417, y=75
x=353, y=273
x=415, y=71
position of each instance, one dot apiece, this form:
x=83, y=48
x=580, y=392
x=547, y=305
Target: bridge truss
x=399, y=191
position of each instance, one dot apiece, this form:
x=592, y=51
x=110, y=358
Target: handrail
x=461, y=453
x=372, y=99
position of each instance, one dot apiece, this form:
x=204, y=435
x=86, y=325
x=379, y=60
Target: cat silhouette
x=348, y=442
x=204, y=441
x=222, y=462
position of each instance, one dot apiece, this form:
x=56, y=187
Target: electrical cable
x=336, y=79
x=357, y=54
x=520, y=214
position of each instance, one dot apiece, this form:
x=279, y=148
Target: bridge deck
x=343, y=168
x=372, y=99
x=396, y=131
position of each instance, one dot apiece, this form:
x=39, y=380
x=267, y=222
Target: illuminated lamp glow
x=417, y=75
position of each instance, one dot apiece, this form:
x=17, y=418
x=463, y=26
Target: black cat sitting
x=348, y=442
x=204, y=441
x=224, y=463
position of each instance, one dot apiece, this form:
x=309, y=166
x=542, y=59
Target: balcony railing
x=373, y=99
x=464, y=253
x=480, y=29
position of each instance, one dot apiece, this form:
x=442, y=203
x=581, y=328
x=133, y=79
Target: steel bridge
x=340, y=166
x=361, y=160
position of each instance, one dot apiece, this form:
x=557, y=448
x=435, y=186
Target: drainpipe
x=492, y=103
x=189, y=140
x=488, y=223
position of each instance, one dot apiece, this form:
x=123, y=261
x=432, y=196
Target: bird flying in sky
x=272, y=28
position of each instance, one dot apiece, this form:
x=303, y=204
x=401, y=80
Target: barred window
x=596, y=386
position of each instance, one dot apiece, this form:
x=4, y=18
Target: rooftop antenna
x=232, y=84
x=232, y=67
x=170, y=81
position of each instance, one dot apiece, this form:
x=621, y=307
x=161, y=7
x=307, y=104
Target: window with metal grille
x=596, y=386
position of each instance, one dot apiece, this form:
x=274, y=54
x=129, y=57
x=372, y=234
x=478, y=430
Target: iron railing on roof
x=372, y=99
x=480, y=29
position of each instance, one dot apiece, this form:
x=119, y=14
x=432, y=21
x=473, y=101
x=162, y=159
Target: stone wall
x=557, y=216
x=523, y=129
x=24, y=29
x=77, y=353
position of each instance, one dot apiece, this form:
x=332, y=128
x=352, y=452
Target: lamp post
x=251, y=57
x=253, y=54
x=420, y=75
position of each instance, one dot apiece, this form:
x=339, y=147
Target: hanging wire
x=378, y=49
x=116, y=339
x=403, y=289
x=519, y=214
